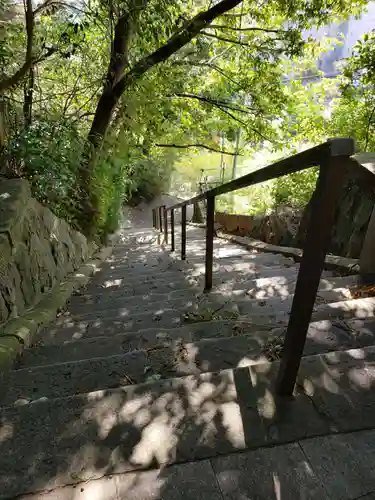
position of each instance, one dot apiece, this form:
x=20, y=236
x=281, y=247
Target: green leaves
x=236, y=72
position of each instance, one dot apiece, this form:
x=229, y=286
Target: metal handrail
x=332, y=157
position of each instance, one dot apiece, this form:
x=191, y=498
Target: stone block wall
x=277, y=228
x=242, y=225
x=37, y=249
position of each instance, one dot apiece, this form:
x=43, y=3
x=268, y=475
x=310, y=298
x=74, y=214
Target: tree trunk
x=352, y=216
x=99, y=127
x=118, y=81
x=197, y=214
x=28, y=98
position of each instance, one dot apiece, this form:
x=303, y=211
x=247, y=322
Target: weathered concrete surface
x=69, y=440
x=334, y=289
x=322, y=468
x=341, y=384
x=37, y=249
x=279, y=473
x=277, y=315
x=48, y=353
x=344, y=464
x=323, y=336
x=78, y=377
x=179, y=482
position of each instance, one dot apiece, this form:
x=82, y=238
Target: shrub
x=49, y=154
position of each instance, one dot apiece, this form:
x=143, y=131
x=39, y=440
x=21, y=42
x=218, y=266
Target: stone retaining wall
x=277, y=228
x=37, y=249
x=240, y=224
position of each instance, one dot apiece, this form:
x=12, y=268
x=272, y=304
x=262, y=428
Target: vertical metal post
x=209, y=241
x=165, y=215
x=153, y=218
x=324, y=203
x=160, y=219
x=172, y=230
x=183, y=232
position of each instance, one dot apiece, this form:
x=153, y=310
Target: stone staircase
x=145, y=369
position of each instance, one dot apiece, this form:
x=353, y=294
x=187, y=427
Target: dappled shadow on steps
x=69, y=440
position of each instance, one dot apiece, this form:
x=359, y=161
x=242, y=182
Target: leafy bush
x=49, y=154
x=295, y=189
x=249, y=201
x=109, y=184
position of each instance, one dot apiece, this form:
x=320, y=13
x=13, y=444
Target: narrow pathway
x=145, y=370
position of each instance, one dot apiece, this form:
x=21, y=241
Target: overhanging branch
x=244, y=30
x=214, y=102
x=223, y=39
x=190, y=30
x=197, y=145
x=214, y=67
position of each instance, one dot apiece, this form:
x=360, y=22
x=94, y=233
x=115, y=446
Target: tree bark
x=28, y=98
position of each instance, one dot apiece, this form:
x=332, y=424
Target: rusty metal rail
x=332, y=157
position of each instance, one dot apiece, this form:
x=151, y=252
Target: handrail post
x=210, y=223
x=160, y=219
x=322, y=216
x=183, y=232
x=165, y=215
x=172, y=230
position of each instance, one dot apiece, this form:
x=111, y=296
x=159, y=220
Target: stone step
x=190, y=265
x=160, y=284
x=66, y=441
x=45, y=353
x=323, y=336
x=66, y=328
x=162, y=360
x=258, y=288
x=165, y=359
x=164, y=283
x=276, y=314
x=126, y=306
x=279, y=286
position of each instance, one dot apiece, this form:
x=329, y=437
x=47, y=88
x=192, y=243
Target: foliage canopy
x=99, y=100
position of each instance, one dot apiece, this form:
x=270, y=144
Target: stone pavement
x=340, y=467
x=147, y=388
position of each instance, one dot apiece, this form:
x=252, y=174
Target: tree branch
x=198, y=145
x=239, y=14
x=9, y=82
x=30, y=61
x=208, y=65
x=45, y=5
x=265, y=30
x=223, y=110
x=214, y=102
x=190, y=30
x=119, y=51
x=223, y=39
x=111, y=95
